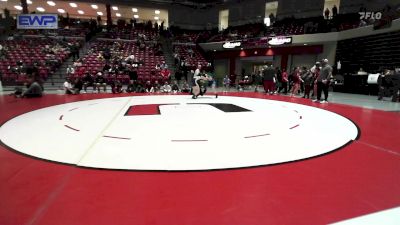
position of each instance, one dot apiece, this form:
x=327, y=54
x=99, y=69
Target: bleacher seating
x=71, y=32
x=146, y=59
x=27, y=52
x=131, y=34
x=192, y=62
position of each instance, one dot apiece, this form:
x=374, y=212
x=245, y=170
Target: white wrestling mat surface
x=222, y=133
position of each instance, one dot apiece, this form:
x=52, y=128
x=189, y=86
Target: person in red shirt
x=166, y=74
x=296, y=81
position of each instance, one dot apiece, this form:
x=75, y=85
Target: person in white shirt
x=70, y=70
x=130, y=58
x=68, y=87
x=197, y=72
x=166, y=88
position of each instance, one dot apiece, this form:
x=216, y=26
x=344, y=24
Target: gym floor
x=351, y=173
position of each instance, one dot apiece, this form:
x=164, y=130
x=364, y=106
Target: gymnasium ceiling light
x=51, y=3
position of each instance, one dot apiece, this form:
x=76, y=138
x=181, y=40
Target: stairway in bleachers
x=168, y=54
x=55, y=82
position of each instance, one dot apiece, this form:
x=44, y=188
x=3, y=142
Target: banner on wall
x=37, y=21
x=232, y=44
x=279, y=40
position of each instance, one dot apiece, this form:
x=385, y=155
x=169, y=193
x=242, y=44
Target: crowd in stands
x=62, y=32
x=179, y=35
x=331, y=21
x=131, y=34
x=118, y=60
x=188, y=56
x=99, y=84
x=37, y=57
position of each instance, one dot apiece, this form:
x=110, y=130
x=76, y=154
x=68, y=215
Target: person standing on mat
x=323, y=81
x=296, y=82
x=383, y=84
x=315, y=70
x=269, y=79
x=284, y=82
x=308, y=83
x=396, y=85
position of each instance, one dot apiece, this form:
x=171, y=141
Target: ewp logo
x=37, y=21
x=370, y=15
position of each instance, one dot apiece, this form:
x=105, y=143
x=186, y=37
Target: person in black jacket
x=269, y=79
x=133, y=75
x=396, y=85
x=383, y=84
x=308, y=83
x=100, y=81
x=88, y=80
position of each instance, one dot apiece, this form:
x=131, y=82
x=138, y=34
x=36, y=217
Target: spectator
x=106, y=67
x=296, y=81
x=70, y=70
x=323, y=81
x=269, y=79
x=68, y=87
x=130, y=59
x=185, y=87
x=78, y=85
x=178, y=75
x=227, y=82
x=315, y=70
x=395, y=80
x=326, y=13
x=190, y=52
x=148, y=87
x=165, y=73
x=284, y=82
x=100, y=82
x=383, y=84
x=140, y=88
x=175, y=87
x=166, y=88
x=88, y=80
x=308, y=83
x=334, y=11
x=132, y=74
x=131, y=86
x=156, y=87
x=116, y=87
x=33, y=89
x=271, y=18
